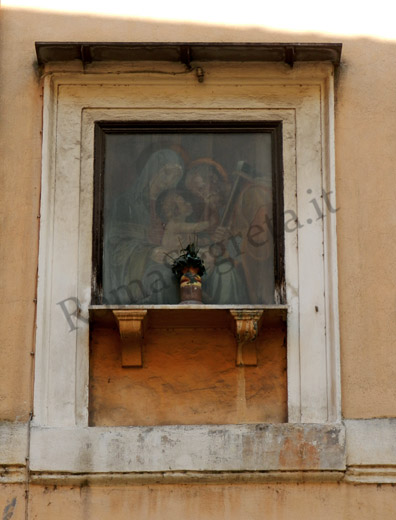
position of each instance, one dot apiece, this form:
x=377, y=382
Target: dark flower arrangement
x=188, y=259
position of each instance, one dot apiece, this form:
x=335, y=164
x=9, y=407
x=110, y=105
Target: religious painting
x=159, y=188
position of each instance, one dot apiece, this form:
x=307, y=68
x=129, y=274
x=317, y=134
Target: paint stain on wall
x=9, y=509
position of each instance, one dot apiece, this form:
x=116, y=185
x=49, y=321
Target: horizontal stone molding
x=190, y=477
x=13, y=474
x=229, y=448
x=357, y=451
x=370, y=475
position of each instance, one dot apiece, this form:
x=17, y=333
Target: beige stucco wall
x=193, y=502
x=233, y=502
x=211, y=502
x=365, y=130
x=12, y=501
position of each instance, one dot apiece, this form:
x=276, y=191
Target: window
x=251, y=100
x=160, y=186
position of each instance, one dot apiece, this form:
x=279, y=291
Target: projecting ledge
x=134, y=320
x=238, y=448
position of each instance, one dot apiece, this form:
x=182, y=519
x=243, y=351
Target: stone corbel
x=132, y=325
x=247, y=325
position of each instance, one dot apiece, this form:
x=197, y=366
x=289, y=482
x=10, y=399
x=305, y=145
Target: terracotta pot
x=190, y=286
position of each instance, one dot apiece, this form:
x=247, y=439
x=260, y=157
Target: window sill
x=133, y=321
x=241, y=451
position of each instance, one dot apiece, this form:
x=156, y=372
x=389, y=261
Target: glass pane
x=165, y=190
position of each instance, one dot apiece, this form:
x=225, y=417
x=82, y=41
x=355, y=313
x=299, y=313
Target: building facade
x=273, y=149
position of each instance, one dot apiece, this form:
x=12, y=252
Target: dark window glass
x=158, y=189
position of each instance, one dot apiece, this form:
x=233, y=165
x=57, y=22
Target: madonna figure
x=134, y=270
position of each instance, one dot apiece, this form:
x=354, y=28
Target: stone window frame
x=74, y=100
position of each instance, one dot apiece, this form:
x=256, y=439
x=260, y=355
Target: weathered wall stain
x=9, y=509
x=299, y=452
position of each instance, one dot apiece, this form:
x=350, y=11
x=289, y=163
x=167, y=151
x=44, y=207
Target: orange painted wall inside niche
x=189, y=377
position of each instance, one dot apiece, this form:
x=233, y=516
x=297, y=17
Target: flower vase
x=190, y=286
